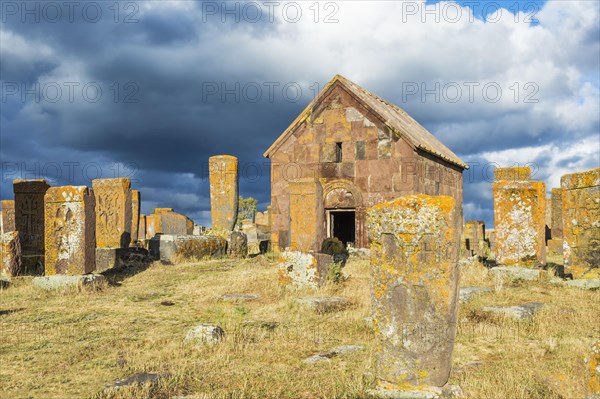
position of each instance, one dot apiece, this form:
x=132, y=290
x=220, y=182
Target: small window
x=338, y=152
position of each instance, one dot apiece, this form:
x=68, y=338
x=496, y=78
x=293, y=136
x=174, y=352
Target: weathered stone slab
x=168, y=247
x=581, y=223
x=524, y=311
x=446, y=392
x=204, y=334
x=299, y=270
x=166, y=221
x=555, y=247
x=415, y=243
x=519, y=221
x=8, y=216
x=465, y=294
x=512, y=174
x=60, y=281
x=70, y=227
x=340, y=350
x=517, y=273
x=10, y=254
x=142, y=228
x=238, y=245
x=115, y=258
x=262, y=219
x=306, y=215
x=135, y=215
x=113, y=212
x=224, y=189
x=556, y=213
x=29, y=222
x=323, y=304
x=584, y=284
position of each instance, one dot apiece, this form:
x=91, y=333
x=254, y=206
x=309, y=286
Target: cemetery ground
x=76, y=343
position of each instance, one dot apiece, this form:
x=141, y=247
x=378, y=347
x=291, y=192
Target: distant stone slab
x=340, y=350
x=465, y=294
x=519, y=311
x=323, y=304
x=239, y=297
x=516, y=272
x=138, y=379
x=204, y=334
x=584, y=284
x=58, y=282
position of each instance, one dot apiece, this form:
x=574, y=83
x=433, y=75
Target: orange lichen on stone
x=10, y=254
x=519, y=222
x=223, y=177
x=593, y=371
x=512, y=174
x=306, y=215
x=135, y=216
x=415, y=244
x=113, y=212
x=581, y=223
x=8, y=215
x=69, y=231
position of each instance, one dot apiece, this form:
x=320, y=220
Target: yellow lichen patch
x=512, y=174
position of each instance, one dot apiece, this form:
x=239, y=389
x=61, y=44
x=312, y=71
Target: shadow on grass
x=127, y=264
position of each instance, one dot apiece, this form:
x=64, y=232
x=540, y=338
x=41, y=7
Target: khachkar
x=29, y=222
x=415, y=244
x=223, y=170
x=135, y=216
x=70, y=230
x=113, y=212
x=581, y=223
x=8, y=216
x=519, y=218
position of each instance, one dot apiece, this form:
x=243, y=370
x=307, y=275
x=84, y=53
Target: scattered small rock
x=138, y=379
x=239, y=297
x=323, y=304
x=340, y=350
x=61, y=281
x=519, y=311
x=204, y=334
x=167, y=303
x=584, y=284
x=4, y=282
x=267, y=325
x=465, y=294
x=516, y=272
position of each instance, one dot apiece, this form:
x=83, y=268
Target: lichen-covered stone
x=299, y=270
x=415, y=244
x=474, y=238
x=167, y=221
x=58, y=282
x=238, y=245
x=581, y=223
x=135, y=215
x=142, y=228
x=519, y=222
x=169, y=248
x=113, y=212
x=29, y=222
x=592, y=371
x=224, y=188
x=204, y=334
x=556, y=213
x=512, y=174
x=8, y=215
x=306, y=215
x=69, y=231
x=10, y=254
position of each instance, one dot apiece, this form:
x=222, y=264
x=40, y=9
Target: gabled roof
x=392, y=116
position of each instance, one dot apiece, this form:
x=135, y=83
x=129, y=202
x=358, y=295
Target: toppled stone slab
x=340, y=350
x=299, y=270
x=168, y=248
x=446, y=392
x=116, y=258
x=59, y=281
x=239, y=297
x=524, y=311
x=584, y=284
x=138, y=379
x=517, y=273
x=322, y=304
x=465, y=294
x=204, y=334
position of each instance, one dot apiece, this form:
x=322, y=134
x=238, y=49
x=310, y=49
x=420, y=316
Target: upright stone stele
x=135, y=216
x=70, y=231
x=29, y=222
x=581, y=223
x=306, y=215
x=113, y=212
x=10, y=254
x=415, y=244
x=519, y=218
x=8, y=216
x=556, y=207
x=223, y=170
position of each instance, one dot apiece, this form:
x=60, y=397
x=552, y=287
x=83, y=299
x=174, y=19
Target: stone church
x=347, y=151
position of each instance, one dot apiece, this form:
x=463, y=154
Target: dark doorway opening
x=342, y=226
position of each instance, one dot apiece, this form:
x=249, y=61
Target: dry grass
x=71, y=344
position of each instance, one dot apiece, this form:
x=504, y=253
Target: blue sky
x=149, y=90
